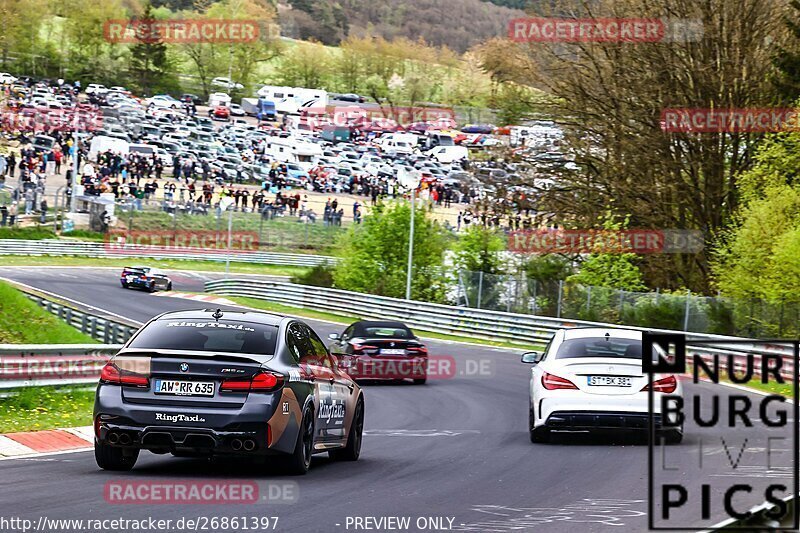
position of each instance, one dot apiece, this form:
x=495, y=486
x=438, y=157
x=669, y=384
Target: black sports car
x=146, y=278
x=381, y=350
x=247, y=384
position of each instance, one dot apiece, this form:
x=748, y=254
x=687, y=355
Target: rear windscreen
x=204, y=335
x=600, y=347
x=384, y=331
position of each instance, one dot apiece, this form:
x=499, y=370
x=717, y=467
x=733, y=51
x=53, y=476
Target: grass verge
x=166, y=264
x=24, y=322
x=39, y=408
x=346, y=319
x=783, y=389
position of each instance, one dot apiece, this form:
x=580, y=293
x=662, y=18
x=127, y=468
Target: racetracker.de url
x=123, y=525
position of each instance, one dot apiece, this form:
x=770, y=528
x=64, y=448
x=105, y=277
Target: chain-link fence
x=677, y=311
x=277, y=231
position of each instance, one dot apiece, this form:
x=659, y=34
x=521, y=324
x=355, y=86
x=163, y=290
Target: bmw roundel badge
x=184, y=367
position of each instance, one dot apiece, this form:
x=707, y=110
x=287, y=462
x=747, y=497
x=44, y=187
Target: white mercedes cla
x=591, y=379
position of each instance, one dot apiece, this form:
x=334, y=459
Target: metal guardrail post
x=560, y=297
x=686, y=311
x=93, y=327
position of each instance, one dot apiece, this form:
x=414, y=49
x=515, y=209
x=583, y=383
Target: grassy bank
x=165, y=264
x=35, y=408
x=38, y=408
x=24, y=322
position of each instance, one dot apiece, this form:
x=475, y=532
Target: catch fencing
x=56, y=247
x=481, y=323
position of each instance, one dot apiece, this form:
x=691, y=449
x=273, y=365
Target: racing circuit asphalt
x=452, y=448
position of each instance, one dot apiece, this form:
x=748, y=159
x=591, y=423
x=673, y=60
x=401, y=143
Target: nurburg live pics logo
x=744, y=471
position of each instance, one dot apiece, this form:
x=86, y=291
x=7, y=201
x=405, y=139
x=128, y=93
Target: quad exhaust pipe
x=247, y=445
x=119, y=438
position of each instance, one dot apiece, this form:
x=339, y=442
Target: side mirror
x=333, y=336
x=532, y=358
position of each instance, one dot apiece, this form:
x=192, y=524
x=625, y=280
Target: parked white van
x=448, y=154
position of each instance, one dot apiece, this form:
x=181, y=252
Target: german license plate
x=609, y=381
x=393, y=351
x=184, y=388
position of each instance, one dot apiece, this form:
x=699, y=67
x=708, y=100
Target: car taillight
x=359, y=348
x=417, y=349
x=110, y=374
x=667, y=384
x=143, y=276
x=261, y=382
x=552, y=382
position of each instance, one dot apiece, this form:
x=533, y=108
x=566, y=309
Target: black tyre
x=151, y=287
x=169, y=286
x=124, y=285
x=352, y=450
x=421, y=381
x=538, y=435
x=110, y=458
x=300, y=460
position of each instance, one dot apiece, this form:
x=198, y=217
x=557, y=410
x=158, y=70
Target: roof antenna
x=218, y=314
x=608, y=335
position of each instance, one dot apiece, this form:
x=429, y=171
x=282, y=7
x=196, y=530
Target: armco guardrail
x=102, y=329
x=24, y=365
x=56, y=247
x=455, y=320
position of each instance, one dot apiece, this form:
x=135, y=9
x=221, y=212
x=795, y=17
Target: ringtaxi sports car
x=147, y=278
x=381, y=350
x=243, y=384
x=591, y=379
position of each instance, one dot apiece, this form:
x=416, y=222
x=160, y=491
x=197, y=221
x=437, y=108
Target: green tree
x=478, y=250
x=547, y=267
x=150, y=68
x=607, y=268
x=753, y=259
x=305, y=65
x=787, y=58
x=374, y=254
